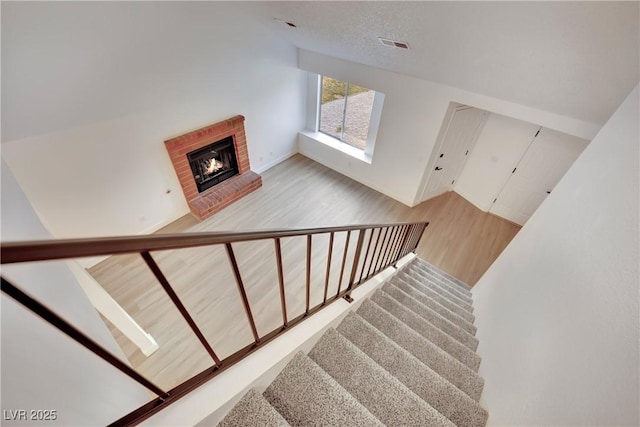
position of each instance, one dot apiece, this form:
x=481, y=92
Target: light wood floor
x=460, y=239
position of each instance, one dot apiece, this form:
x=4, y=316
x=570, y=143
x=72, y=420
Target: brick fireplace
x=208, y=202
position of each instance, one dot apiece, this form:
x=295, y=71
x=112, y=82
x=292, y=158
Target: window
x=345, y=111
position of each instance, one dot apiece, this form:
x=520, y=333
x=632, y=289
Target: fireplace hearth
x=212, y=166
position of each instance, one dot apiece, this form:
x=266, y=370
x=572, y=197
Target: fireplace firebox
x=201, y=172
x=213, y=163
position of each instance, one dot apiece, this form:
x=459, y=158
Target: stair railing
x=378, y=247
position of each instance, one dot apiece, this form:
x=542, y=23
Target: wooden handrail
x=43, y=250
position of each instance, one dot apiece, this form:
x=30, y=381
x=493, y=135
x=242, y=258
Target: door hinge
x=514, y=170
x=537, y=133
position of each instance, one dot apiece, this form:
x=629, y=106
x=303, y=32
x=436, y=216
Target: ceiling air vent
x=393, y=43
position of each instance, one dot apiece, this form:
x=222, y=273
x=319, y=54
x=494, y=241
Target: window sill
x=338, y=145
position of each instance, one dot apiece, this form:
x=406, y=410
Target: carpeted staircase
x=405, y=357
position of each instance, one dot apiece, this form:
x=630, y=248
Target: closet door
x=544, y=163
x=461, y=133
x=500, y=146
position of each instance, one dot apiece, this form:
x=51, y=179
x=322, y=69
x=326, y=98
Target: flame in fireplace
x=213, y=165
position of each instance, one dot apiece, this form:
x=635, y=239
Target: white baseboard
x=90, y=262
x=307, y=148
x=272, y=163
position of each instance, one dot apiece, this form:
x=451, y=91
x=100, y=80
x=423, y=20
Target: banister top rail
x=392, y=242
x=43, y=250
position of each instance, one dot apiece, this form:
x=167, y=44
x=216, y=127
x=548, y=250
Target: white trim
x=109, y=308
x=444, y=130
x=440, y=147
x=309, y=147
x=336, y=144
x=92, y=261
x=314, y=83
x=374, y=123
x=210, y=403
x=272, y=163
x=314, y=86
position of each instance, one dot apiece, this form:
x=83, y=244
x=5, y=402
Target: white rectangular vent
x=393, y=43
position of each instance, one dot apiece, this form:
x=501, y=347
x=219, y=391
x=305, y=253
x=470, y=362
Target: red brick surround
x=205, y=204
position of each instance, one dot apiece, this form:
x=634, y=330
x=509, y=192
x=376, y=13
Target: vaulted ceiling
x=578, y=59
x=65, y=64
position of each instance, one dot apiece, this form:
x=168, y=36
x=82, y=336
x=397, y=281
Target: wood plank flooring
x=299, y=192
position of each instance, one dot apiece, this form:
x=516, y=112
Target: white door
x=461, y=133
x=498, y=149
x=545, y=162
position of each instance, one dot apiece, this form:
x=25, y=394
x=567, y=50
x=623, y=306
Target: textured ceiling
x=578, y=59
x=68, y=64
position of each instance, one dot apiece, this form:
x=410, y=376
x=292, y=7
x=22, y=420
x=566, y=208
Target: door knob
x=438, y=168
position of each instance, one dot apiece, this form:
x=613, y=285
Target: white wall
x=38, y=362
x=412, y=115
x=93, y=90
x=500, y=146
x=557, y=313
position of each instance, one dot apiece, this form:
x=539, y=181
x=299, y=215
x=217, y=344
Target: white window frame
x=314, y=88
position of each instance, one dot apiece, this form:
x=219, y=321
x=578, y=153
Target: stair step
x=453, y=280
x=437, y=288
x=427, y=330
x=433, y=305
x=431, y=316
x=465, y=314
x=443, y=283
x=427, y=352
x=253, y=410
x=377, y=390
x=443, y=396
x=432, y=269
x=304, y=394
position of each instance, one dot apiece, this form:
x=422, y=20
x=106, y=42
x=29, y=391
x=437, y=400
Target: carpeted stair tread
x=427, y=352
x=416, y=283
x=406, y=357
x=434, y=291
x=441, y=282
x=305, y=395
x=454, y=280
x=253, y=410
x=383, y=395
x=454, y=283
x=444, y=275
x=433, y=305
x=433, y=284
x=427, y=330
x=431, y=316
x=443, y=396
